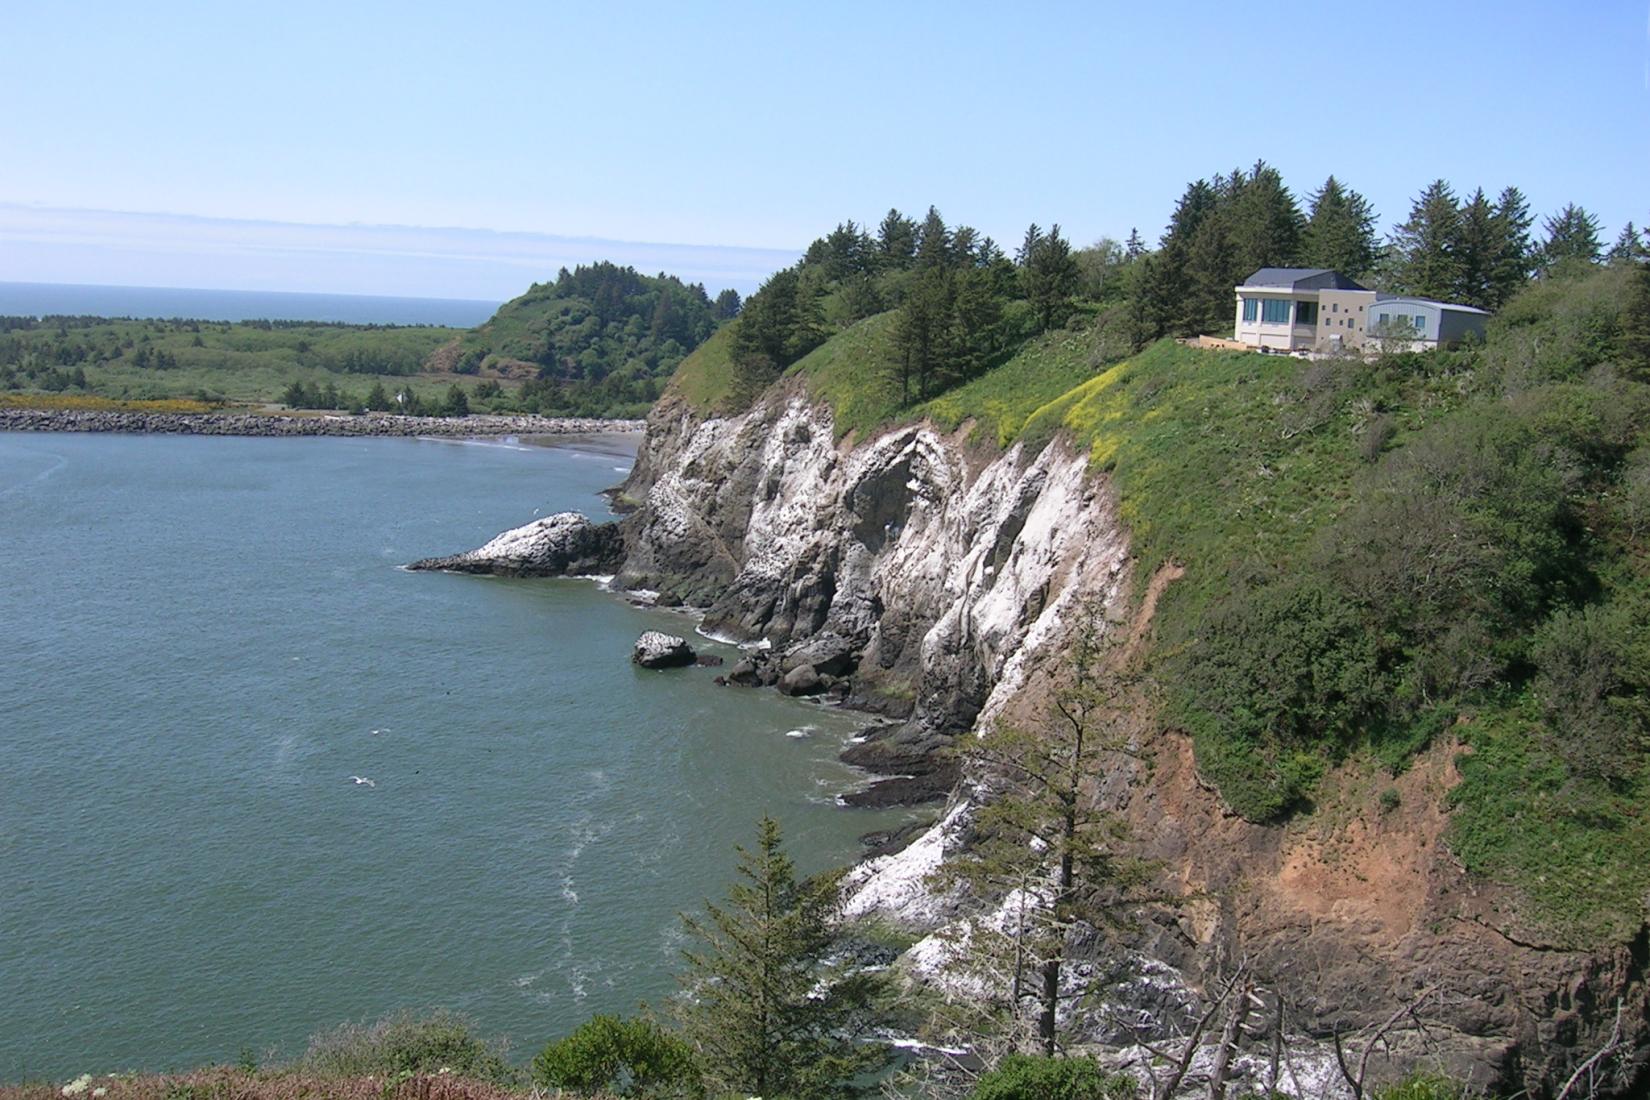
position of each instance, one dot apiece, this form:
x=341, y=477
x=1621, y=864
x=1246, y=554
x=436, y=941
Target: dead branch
x=1590, y=1064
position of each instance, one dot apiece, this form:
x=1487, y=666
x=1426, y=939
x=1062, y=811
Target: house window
x=1250, y=308
x=1420, y=322
x=1386, y=318
x=1335, y=307
x=1274, y=311
x=1306, y=313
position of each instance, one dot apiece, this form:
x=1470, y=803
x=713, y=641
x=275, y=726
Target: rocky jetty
x=565, y=544
x=656, y=649
x=258, y=424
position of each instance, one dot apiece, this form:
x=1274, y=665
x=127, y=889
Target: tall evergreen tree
x=1044, y=843
x=778, y=325
x=765, y=1013
x=933, y=241
x=1048, y=275
x=896, y=241
x=1266, y=222
x=1631, y=246
x=1572, y=236
x=1513, y=261
x=1423, y=252
x=727, y=304
x=1477, y=247
x=1213, y=267
x=1134, y=247
x=1634, y=333
x=1340, y=233
x=1197, y=202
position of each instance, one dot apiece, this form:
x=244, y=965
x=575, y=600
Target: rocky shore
x=274, y=424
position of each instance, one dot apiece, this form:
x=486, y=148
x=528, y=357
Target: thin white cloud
x=57, y=244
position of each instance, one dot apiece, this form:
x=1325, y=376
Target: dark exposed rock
x=802, y=680
x=708, y=660
x=656, y=649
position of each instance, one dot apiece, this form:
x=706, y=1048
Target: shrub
x=1423, y=1086
x=407, y=1044
x=1033, y=1077
x=626, y=1057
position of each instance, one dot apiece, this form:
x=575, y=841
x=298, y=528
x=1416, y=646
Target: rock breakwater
x=273, y=424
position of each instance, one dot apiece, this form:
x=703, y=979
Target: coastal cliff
x=921, y=574
x=952, y=573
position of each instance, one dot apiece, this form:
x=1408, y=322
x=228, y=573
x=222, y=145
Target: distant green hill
x=599, y=340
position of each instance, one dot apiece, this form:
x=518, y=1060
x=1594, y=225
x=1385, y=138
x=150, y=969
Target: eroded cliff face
x=914, y=575
x=917, y=572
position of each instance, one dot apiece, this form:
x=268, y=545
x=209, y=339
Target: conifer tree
x=1476, y=249
x=1631, y=246
x=1423, y=254
x=1048, y=275
x=1134, y=248
x=1513, y=260
x=933, y=241
x=896, y=241
x=1634, y=334
x=763, y=1011
x=1572, y=236
x=1043, y=845
x=1266, y=222
x=1340, y=233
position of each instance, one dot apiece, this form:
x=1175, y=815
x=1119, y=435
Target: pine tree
x=727, y=304
x=1048, y=275
x=1044, y=847
x=1340, y=233
x=1476, y=247
x=1424, y=261
x=1511, y=270
x=1134, y=248
x=764, y=1012
x=1634, y=332
x=1631, y=246
x=1213, y=268
x=1266, y=222
x=896, y=241
x=933, y=242
x=1572, y=237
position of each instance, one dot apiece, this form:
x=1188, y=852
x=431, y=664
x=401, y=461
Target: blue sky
x=757, y=126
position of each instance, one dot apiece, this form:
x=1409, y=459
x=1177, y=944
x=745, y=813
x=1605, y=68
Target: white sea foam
x=802, y=731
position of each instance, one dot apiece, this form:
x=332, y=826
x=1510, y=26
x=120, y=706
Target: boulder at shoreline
x=656, y=649
x=565, y=544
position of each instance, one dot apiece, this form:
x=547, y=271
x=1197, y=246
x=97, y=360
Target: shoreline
x=273, y=424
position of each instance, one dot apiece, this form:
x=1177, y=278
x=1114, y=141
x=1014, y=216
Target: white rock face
x=946, y=572
x=565, y=543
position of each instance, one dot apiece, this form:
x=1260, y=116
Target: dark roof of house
x=1302, y=278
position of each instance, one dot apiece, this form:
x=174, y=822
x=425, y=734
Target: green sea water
x=205, y=642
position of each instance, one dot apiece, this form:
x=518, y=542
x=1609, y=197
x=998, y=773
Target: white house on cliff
x=1289, y=309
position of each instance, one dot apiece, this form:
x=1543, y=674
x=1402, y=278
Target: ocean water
x=205, y=643
x=70, y=299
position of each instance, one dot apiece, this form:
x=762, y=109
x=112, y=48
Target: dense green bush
x=624, y=1057
x=1032, y=1077
x=407, y=1044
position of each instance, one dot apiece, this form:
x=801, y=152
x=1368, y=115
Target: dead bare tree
x=1589, y=1068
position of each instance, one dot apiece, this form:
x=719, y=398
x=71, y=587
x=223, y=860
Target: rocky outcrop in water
x=565, y=544
x=656, y=649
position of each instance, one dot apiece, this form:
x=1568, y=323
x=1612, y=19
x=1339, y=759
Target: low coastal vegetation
x=599, y=341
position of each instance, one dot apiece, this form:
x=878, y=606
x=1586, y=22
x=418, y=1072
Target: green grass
x=238, y=363
x=1580, y=852
x=705, y=378
x=1001, y=401
x=850, y=373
